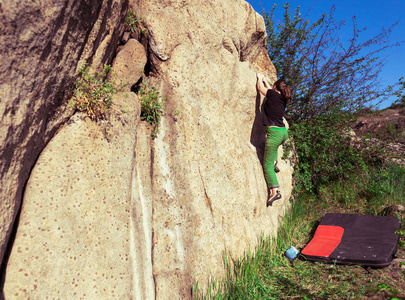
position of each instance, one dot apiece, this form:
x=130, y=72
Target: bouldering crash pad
x=354, y=239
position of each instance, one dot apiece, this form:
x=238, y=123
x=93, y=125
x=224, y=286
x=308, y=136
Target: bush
x=93, y=94
x=324, y=150
x=151, y=106
x=322, y=70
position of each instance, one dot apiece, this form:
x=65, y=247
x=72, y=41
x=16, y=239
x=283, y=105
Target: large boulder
x=75, y=238
x=43, y=44
x=206, y=178
x=145, y=218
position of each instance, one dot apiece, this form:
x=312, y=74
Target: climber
x=276, y=99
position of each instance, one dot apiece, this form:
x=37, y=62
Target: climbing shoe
x=277, y=196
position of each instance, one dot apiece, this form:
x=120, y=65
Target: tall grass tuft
x=152, y=107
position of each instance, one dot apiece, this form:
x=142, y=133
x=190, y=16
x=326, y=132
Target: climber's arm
x=262, y=85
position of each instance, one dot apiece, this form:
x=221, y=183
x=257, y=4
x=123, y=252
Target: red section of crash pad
x=325, y=240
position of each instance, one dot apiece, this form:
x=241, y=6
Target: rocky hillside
x=385, y=128
x=387, y=124
x=101, y=210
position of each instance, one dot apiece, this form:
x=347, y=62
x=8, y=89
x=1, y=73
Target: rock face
x=42, y=46
x=75, y=224
x=109, y=212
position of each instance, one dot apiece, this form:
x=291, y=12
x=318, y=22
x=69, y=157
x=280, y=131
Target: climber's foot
x=273, y=198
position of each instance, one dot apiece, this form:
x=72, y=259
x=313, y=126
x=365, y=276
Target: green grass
x=267, y=274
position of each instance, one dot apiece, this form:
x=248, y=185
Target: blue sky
x=373, y=14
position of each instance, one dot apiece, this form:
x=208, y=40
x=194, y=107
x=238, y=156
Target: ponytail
x=283, y=88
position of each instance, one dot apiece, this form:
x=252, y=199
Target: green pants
x=275, y=137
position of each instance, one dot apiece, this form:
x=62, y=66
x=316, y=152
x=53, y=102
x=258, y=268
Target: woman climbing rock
x=277, y=98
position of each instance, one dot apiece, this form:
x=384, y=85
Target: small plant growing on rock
x=134, y=24
x=93, y=93
x=151, y=106
x=175, y=115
